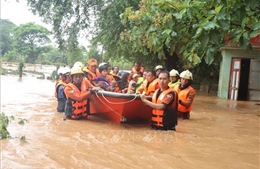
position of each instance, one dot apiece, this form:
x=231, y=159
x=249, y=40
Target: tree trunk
x=171, y=61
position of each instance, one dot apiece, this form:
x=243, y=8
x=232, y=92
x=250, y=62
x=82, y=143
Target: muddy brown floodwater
x=221, y=134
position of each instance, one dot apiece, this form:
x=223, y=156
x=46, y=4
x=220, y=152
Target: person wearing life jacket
x=64, y=73
x=137, y=68
x=139, y=82
x=174, y=78
x=151, y=84
x=90, y=71
x=164, y=103
x=158, y=69
x=77, y=92
x=186, y=94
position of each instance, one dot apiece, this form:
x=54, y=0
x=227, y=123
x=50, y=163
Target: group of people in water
x=169, y=94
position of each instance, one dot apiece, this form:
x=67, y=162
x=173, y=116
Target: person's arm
x=70, y=93
x=151, y=104
x=186, y=103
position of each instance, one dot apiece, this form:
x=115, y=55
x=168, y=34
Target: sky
x=19, y=13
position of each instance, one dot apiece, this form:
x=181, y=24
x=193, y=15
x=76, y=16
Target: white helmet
x=76, y=70
x=101, y=64
x=158, y=67
x=65, y=71
x=78, y=64
x=60, y=70
x=174, y=72
x=186, y=75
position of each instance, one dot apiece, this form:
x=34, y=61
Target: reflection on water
x=220, y=134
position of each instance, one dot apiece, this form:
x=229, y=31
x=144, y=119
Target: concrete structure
x=239, y=77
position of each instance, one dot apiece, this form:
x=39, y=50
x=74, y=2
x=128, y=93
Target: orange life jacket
x=135, y=71
x=166, y=118
x=75, y=109
x=90, y=75
x=183, y=95
x=60, y=82
x=111, y=77
x=149, y=88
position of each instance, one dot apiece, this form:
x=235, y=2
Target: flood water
x=220, y=134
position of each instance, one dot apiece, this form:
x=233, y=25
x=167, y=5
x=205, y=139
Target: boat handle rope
x=116, y=102
x=122, y=119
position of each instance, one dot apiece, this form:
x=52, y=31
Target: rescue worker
x=91, y=71
x=77, y=92
x=158, y=69
x=164, y=103
x=78, y=64
x=136, y=69
x=151, y=84
x=186, y=94
x=174, y=78
x=64, y=73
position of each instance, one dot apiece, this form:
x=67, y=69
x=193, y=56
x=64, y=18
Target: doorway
x=239, y=79
x=244, y=77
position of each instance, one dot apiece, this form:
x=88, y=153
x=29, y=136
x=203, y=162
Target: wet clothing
x=76, y=109
x=185, y=94
x=165, y=119
x=60, y=95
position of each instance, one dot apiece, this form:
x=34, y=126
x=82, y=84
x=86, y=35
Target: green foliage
x=23, y=139
x=4, y=134
x=5, y=36
x=195, y=30
x=4, y=122
x=30, y=40
x=22, y=121
x=70, y=19
x=74, y=54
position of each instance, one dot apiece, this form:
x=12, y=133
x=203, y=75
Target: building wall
x=224, y=75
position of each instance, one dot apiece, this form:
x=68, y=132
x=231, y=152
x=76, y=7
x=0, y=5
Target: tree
x=194, y=30
x=70, y=19
x=5, y=36
x=30, y=40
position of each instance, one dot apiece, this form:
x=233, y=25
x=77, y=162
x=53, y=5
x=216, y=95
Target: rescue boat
x=119, y=107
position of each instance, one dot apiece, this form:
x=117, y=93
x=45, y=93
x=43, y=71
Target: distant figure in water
x=64, y=73
x=186, y=94
x=164, y=103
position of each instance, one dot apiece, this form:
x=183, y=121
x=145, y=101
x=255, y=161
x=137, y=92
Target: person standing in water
x=186, y=94
x=64, y=73
x=77, y=92
x=164, y=103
